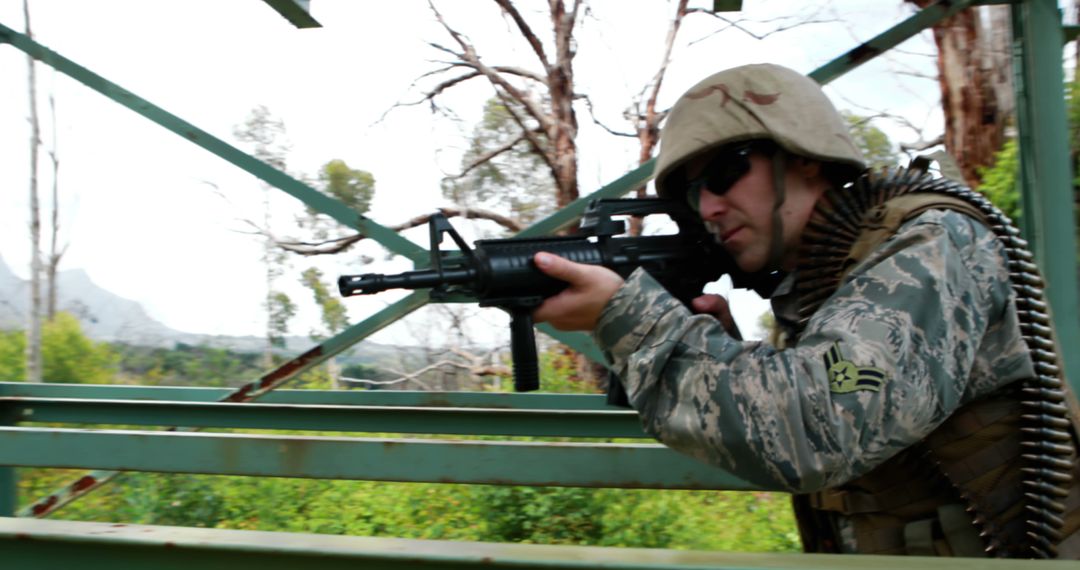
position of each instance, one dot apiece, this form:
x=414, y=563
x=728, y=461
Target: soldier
x=912, y=402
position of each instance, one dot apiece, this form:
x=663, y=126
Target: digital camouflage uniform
x=924, y=324
x=875, y=371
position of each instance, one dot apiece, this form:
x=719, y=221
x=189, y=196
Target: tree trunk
x=561, y=87
x=646, y=118
x=55, y=253
x=972, y=77
x=34, y=360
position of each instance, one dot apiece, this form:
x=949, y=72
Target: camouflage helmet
x=754, y=102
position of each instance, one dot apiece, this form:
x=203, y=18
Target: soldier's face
x=741, y=216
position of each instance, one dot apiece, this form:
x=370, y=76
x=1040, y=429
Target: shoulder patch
x=846, y=376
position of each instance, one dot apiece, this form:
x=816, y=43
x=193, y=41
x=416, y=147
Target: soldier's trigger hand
x=718, y=307
x=578, y=307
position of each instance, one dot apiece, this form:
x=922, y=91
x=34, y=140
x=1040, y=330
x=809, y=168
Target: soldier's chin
x=748, y=262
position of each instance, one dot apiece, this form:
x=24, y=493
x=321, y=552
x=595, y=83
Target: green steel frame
x=297, y=12
x=104, y=546
x=1048, y=224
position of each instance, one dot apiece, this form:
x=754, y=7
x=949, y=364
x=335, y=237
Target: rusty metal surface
x=28, y=543
x=602, y=465
x=246, y=393
x=612, y=423
x=403, y=398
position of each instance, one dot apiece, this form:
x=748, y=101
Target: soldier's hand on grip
x=578, y=306
x=718, y=307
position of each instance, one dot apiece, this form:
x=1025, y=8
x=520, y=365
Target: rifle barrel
x=369, y=283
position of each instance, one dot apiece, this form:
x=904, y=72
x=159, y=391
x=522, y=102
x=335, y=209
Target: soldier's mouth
x=722, y=235
x=726, y=236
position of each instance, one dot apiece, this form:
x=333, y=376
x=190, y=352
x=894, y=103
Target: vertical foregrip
x=523, y=351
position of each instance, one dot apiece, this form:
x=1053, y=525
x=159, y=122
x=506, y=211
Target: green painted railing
x=104, y=546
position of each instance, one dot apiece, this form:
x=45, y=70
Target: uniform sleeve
x=881, y=364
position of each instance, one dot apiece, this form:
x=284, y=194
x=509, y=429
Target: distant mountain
x=106, y=316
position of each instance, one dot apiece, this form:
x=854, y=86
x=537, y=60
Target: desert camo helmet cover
x=753, y=102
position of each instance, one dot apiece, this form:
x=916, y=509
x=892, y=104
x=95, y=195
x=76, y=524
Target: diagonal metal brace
x=246, y=393
x=313, y=198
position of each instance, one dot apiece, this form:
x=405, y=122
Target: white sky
x=141, y=219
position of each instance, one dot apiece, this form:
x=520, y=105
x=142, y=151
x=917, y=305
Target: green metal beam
x=246, y=393
x=637, y=466
x=727, y=5
x=306, y=194
x=1049, y=222
x=328, y=349
x=297, y=12
x=894, y=36
x=567, y=216
x=369, y=419
x=1069, y=33
x=108, y=546
x=9, y=489
x=409, y=398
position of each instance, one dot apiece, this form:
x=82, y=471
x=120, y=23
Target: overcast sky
x=139, y=209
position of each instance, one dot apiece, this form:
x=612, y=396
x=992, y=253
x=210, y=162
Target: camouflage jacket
x=922, y=325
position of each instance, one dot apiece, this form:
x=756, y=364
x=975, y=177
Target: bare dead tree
x=56, y=252
x=476, y=366
x=643, y=113
x=34, y=359
x=541, y=102
x=972, y=77
x=543, y=125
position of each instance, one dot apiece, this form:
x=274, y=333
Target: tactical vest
x=999, y=477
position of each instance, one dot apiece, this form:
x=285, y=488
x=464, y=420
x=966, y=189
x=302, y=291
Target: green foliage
x=12, y=356
x=186, y=365
x=875, y=145
x=500, y=171
x=540, y=515
x=353, y=187
x=68, y=354
x=265, y=135
x=698, y=520
x=334, y=316
x=558, y=368
x=704, y=520
x=280, y=309
x=1000, y=181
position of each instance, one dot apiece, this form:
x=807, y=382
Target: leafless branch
x=669, y=44
x=470, y=59
x=431, y=94
x=596, y=120
x=921, y=145
x=916, y=74
x=526, y=31
x=340, y=244
x=474, y=365
x=738, y=24
x=487, y=157
x=534, y=141
x=878, y=114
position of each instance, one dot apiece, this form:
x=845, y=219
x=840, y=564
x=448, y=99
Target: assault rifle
x=501, y=273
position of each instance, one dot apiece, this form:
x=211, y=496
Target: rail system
x=30, y=412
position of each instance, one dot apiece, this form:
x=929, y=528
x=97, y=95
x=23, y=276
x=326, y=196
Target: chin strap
x=776, y=246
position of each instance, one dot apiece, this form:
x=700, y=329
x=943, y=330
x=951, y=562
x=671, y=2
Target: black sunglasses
x=722, y=172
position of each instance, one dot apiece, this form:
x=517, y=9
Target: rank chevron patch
x=846, y=376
